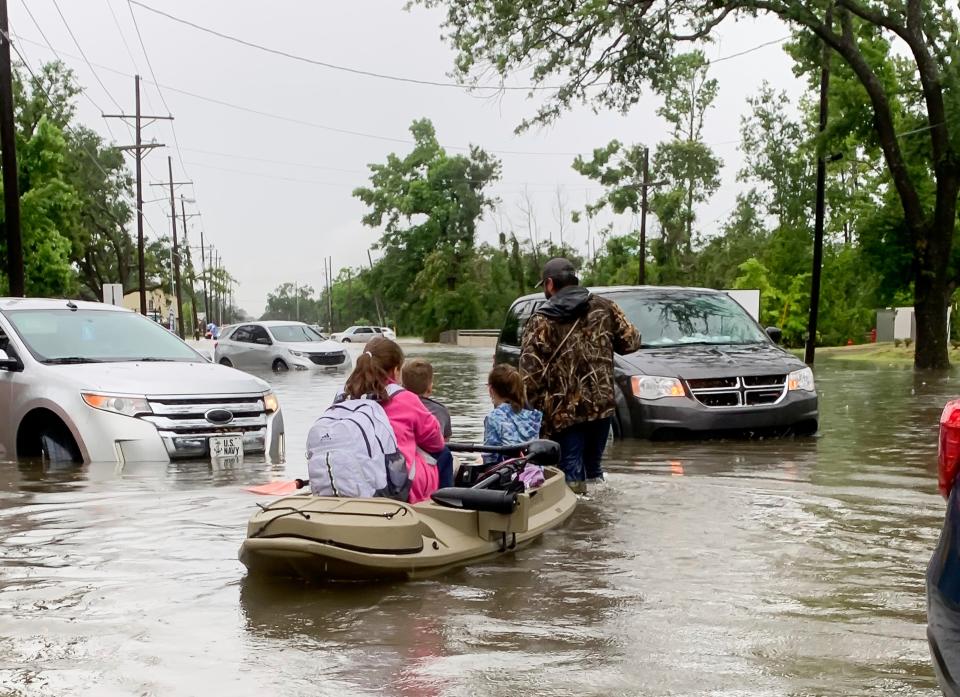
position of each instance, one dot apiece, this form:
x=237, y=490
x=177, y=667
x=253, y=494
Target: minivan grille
x=745, y=391
x=185, y=430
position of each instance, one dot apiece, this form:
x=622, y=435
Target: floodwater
x=790, y=567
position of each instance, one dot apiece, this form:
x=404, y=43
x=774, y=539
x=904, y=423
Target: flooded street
x=788, y=567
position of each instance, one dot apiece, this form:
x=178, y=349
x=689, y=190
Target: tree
x=428, y=203
x=687, y=164
x=292, y=302
x=607, y=52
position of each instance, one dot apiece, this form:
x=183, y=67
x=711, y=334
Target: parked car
x=387, y=332
x=94, y=382
x=356, y=334
x=706, y=366
x=280, y=346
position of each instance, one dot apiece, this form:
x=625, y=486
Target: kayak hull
x=328, y=539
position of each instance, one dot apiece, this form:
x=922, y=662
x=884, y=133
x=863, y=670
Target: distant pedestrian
x=566, y=359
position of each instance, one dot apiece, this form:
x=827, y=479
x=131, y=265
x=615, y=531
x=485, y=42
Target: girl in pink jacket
x=415, y=428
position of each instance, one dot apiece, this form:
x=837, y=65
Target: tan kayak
x=328, y=538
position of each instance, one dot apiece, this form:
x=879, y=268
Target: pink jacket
x=415, y=427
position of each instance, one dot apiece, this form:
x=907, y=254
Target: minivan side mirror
x=7, y=363
x=775, y=334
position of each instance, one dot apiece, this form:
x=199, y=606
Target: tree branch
x=705, y=30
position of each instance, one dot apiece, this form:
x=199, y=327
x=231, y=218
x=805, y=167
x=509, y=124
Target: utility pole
x=376, y=296
x=175, y=249
x=296, y=298
x=8, y=155
x=818, y=221
x=644, y=185
x=138, y=148
x=329, y=269
x=203, y=275
x=191, y=273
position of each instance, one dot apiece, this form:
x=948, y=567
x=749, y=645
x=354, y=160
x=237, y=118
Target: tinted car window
x=517, y=316
x=242, y=334
x=258, y=333
x=673, y=318
x=364, y=330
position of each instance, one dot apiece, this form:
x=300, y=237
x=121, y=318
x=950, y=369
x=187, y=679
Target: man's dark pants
x=581, y=449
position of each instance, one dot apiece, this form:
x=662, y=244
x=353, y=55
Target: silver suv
x=92, y=382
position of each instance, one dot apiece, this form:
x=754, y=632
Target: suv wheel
x=345, y=340
x=280, y=366
x=57, y=447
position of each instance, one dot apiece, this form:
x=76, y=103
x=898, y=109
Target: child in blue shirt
x=510, y=422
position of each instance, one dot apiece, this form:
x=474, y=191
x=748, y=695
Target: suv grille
x=334, y=358
x=185, y=430
x=746, y=391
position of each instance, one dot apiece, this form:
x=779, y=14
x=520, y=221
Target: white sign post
x=113, y=293
x=749, y=300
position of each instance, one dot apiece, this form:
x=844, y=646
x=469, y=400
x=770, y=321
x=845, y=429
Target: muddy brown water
x=789, y=567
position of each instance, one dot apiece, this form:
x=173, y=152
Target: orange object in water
x=277, y=488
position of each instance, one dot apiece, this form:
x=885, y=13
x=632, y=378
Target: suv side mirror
x=263, y=340
x=775, y=334
x=7, y=363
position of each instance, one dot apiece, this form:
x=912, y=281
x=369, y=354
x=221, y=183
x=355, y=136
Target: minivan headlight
x=270, y=403
x=655, y=387
x=801, y=380
x=128, y=406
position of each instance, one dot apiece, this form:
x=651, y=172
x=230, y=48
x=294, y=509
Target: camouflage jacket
x=566, y=357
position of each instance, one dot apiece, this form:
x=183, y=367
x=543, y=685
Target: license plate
x=222, y=447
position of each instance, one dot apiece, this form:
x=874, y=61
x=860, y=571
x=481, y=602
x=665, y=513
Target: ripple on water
x=778, y=567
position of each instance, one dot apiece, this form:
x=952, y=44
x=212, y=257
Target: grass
x=886, y=353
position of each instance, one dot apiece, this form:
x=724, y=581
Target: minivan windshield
x=676, y=318
x=295, y=333
x=97, y=336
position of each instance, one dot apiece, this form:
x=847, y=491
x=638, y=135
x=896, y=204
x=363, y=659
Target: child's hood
x=528, y=423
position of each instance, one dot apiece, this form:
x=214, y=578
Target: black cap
x=558, y=267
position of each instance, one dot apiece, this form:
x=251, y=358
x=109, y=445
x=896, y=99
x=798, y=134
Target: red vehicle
x=943, y=572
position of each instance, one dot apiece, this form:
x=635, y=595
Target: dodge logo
x=220, y=417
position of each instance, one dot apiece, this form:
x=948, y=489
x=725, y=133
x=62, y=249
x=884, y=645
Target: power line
x=68, y=127
x=87, y=60
x=83, y=90
x=334, y=129
x=156, y=83
x=394, y=78
x=331, y=66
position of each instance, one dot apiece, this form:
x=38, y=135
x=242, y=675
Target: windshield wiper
x=68, y=360
x=149, y=359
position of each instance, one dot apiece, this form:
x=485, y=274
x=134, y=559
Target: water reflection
x=751, y=568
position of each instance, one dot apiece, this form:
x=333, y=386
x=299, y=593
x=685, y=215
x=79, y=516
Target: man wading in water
x=566, y=358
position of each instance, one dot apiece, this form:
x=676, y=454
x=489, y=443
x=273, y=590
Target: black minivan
x=705, y=367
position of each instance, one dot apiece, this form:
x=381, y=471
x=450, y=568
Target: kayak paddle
x=277, y=488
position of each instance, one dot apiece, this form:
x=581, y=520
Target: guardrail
x=482, y=338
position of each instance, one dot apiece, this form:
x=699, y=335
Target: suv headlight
x=655, y=387
x=270, y=403
x=801, y=380
x=298, y=354
x=128, y=406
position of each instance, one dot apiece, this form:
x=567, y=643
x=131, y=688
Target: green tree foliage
x=428, y=204
x=900, y=55
x=74, y=190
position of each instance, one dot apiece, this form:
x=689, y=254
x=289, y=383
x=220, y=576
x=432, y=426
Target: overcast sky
x=275, y=194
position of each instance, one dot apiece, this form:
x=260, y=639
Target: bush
x=897, y=343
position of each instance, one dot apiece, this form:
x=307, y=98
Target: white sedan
x=362, y=334
x=279, y=346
